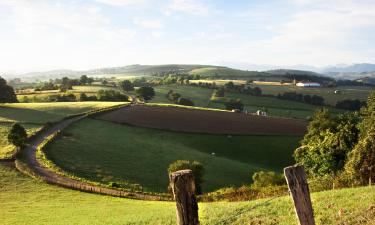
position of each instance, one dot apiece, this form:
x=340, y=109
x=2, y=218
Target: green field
x=33, y=115
x=104, y=151
x=200, y=96
x=27, y=201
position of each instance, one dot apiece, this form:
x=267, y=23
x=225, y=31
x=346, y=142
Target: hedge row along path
x=51, y=177
x=204, y=121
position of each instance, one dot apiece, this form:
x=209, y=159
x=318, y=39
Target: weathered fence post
x=299, y=189
x=183, y=187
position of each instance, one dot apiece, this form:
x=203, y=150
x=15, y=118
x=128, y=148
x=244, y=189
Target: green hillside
x=33, y=115
x=141, y=155
x=28, y=201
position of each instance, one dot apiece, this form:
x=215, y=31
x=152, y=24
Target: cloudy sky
x=82, y=34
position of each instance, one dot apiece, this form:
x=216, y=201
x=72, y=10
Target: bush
x=17, y=135
x=267, y=178
x=111, y=95
x=185, y=101
x=196, y=167
x=146, y=93
x=234, y=104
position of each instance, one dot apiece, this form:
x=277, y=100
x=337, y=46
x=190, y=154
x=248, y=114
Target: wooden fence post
x=299, y=189
x=183, y=187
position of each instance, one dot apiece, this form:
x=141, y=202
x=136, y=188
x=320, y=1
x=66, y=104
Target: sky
x=37, y=35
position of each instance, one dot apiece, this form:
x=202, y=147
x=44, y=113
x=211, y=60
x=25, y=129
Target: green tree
x=185, y=101
x=361, y=161
x=267, y=178
x=146, y=93
x=196, y=167
x=84, y=79
x=127, y=85
x=17, y=135
x=7, y=94
x=328, y=141
x=234, y=104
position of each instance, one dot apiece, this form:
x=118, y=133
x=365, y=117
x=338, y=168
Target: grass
x=104, y=152
x=275, y=107
x=33, y=115
x=200, y=96
x=27, y=201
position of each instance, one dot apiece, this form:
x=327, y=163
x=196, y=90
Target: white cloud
x=121, y=2
x=188, y=6
x=151, y=24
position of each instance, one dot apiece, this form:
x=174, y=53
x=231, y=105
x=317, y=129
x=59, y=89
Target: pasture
x=33, y=115
x=104, y=151
x=28, y=201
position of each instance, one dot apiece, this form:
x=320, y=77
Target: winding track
x=53, y=178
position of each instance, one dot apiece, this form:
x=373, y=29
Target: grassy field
x=141, y=155
x=33, y=115
x=27, y=201
x=200, y=96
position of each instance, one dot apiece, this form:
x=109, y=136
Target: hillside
x=32, y=202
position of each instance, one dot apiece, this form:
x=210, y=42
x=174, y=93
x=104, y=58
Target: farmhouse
x=308, y=84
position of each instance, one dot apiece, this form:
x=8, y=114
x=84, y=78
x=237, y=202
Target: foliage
x=7, y=94
x=309, y=99
x=185, y=101
x=46, y=86
x=349, y=104
x=62, y=98
x=326, y=145
x=361, y=163
x=267, y=178
x=196, y=167
x=86, y=80
x=66, y=84
x=146, y=93
x=17, y=135
x=219, y=92
x=127, y=85
x=111, y=95
x=234, y=104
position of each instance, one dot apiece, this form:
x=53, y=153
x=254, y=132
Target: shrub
x=17, y=135
x=111, y=95
x=234, y=104
x=196, y=167
x=146, y=93
x=185, y=101
x=267, y=178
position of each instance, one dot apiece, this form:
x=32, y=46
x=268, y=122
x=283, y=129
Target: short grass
x=104, y=151
x=200, y=96
x=27, y=201
x=274, y=106
x=33, y=115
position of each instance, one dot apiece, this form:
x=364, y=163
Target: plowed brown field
x=204, y=121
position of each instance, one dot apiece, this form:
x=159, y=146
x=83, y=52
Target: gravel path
x=53, y=178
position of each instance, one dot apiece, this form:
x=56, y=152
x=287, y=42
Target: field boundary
x=26, y=161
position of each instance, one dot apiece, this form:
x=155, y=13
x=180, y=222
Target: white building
x=308, y=84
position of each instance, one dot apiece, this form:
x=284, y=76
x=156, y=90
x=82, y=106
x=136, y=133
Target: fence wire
x=239, y=212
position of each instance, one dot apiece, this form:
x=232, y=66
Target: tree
x=147, y=93
x=234, y=104
x=84, y=79
x=361, y=161
x=111, y=95
x=196, y=167
x=7, y=94
x=185, y=101
x=257, y=91
x=66, y=84
x=327, y=143
x=17, y=135
x=219, y=92
x=127, y=85
x=267, y=178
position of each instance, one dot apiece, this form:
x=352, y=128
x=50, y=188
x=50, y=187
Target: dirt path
x=51, y=177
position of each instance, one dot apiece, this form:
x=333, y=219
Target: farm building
x=308, y=84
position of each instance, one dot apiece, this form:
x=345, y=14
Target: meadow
x=34, y=115
x=24, y=200
x=202, y=97
x=105, y=152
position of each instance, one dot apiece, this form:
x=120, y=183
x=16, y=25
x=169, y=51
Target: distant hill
x=301, y=75
x=355, y=68
x=207, y=71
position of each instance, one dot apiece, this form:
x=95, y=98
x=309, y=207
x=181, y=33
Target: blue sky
x=84, y=34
